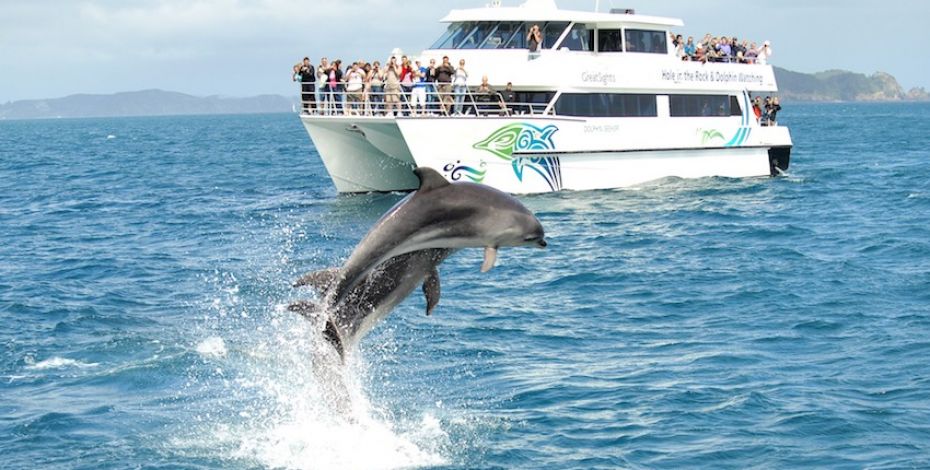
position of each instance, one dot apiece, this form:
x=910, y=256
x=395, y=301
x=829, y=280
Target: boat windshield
x=496, y=35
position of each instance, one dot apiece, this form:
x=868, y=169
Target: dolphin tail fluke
x=320, y=280
x=431, y=290
x=490, y=256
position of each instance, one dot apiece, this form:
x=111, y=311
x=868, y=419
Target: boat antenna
x=597, y=6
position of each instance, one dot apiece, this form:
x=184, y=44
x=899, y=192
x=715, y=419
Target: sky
x=54, y=48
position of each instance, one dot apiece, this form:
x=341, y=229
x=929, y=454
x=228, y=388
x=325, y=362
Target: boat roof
x=546, y=10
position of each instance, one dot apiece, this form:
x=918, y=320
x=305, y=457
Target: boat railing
x=430, y=102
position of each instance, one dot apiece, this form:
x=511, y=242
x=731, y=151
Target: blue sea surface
x=715, y=323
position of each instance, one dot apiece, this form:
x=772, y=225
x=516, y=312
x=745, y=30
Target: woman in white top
x=459, y=82
x=762, y=56
x=355, y=88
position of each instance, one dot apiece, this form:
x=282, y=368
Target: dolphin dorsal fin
x=429, y=179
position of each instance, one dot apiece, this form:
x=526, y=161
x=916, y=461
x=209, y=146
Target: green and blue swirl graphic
x=512, y=138
x=456, y=171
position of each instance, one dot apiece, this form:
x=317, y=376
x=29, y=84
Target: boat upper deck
x=580, y=50
x=543, y=11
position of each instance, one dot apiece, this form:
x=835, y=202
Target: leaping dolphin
x=404, y=248
x=440, y=214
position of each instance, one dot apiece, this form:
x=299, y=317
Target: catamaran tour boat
x=603, y=103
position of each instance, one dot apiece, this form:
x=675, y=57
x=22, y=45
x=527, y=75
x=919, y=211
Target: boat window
x=455, y=35
x=606, y=105
x=703, y=106
x=609, y=40
x=477, y=36
x=518, y=39
x=452, y=29
x=735, y=109
x=501, y=35
x=537, y=100
x=651, y=42
x=552, y=32
x=580, y=38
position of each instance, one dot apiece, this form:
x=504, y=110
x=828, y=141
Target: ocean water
x=713, y=323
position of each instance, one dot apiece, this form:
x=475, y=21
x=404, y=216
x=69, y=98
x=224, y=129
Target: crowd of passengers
x=722, y=49
x=408, y=87
x=766, y=111
x=400, y=86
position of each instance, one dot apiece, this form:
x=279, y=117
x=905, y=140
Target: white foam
x=213, y=346
x=290, y=403
x=59, y=363
x=308, y=442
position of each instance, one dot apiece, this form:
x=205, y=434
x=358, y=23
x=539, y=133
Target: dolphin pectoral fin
x=429, y=179
x=320, y=280
x=431, y=290
x=307, y=309
x=490, y=256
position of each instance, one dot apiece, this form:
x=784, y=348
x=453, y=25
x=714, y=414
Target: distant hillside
x=841, y=85
x=141, y=103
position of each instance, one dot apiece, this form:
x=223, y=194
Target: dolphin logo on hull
x=521, y=137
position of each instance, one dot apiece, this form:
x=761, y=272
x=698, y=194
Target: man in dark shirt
x=772, y=110
x=307, y=85
x=339, y=97
x=508, y=97
x=444, y=74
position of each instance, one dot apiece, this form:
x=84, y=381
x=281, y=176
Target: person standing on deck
x=460, y=85
x=444, y=74
x=534, y=39
x=322, y=88
x=307, y=81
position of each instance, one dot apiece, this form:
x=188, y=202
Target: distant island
x=143, y=103
x=829, y=86
x=843, y=86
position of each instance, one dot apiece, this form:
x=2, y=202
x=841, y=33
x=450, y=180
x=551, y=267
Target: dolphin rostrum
x=404, y=248
x=440, y=214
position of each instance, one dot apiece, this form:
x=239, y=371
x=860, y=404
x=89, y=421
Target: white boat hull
x=541, y=154
x=364, y=155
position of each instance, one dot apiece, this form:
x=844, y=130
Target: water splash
x=275, y=394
